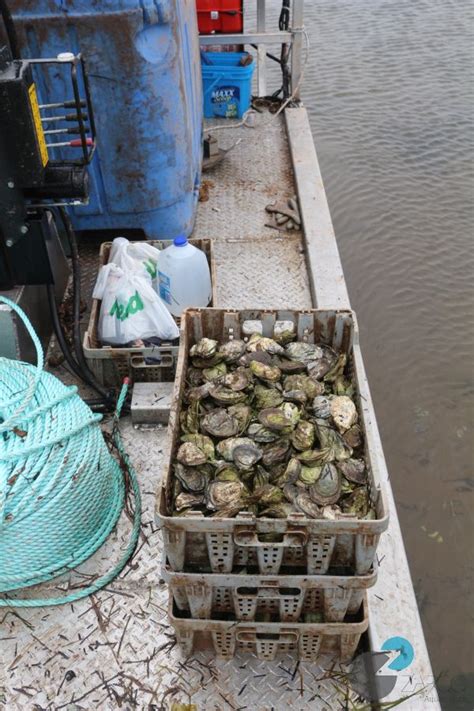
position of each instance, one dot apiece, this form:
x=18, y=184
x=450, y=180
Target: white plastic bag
x=131, y=309
x=135, y=256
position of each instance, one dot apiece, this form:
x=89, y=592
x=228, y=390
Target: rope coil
x=61, y=490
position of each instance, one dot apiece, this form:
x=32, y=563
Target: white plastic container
x=184, y=278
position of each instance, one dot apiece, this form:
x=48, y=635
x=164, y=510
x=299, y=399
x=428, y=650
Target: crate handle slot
x=250, y=539
x=269, y=592
x=279, y=637
x=166, y=361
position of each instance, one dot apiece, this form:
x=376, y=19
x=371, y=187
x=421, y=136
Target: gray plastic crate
x=110, y=364
x=308, y=641
x=248, y=596
x=313, y=545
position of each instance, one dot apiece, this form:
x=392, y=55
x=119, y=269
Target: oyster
x=245, y=456
x=343, y=412
x=231, y=351
x=321, y=366
x=190, y=455
x=332, y=441
x=291, y=492
x=261, y=478
x=327, y=488
x=353, y=470
x=303, y=352
x=205, y=444
x=242, y=413
x=268, y=373
x=353, y=437
x=225, y=493
x=297, y=396
x=309, y=475
x=190, y=478
x=303, y=382
x=331, y=512
x=205, y=348
x=238, y=380
x=280, y=510
x=258, y=356
x=226, y=447
x=282, y=419
x=322, y=407
x=199, y=393
x=268, y=495
x=266, y=397
x=337, y=369
x=194, y=377
x=357, y=503
x=313, y=456
x=275, y=452
x=260, y=433
x=219, y=423
x=302, y=437
x=289, y=367
x=189, y=418
x=214, y=373
x=227, y=472
x=226, y=396
x=304, y=503
x=260, y=343
x=187, y=501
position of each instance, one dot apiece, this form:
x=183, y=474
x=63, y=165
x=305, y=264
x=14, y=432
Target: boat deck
x=116, y=649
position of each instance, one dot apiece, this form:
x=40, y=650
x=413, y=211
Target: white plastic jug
x=184, y=278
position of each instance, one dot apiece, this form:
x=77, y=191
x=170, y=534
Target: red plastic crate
x=220, y=16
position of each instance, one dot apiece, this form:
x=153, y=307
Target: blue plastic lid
x=180, y=241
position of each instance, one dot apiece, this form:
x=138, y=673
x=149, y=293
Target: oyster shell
x=205, y=444
x=190, y=478
x=289, y=367
x=309, y=475
x=268, y=495
x=304, y=503
x=269, y=373
x=313, y=456
x=189, y=418
x=357, y=503
x=231, y=351
x=291, y=492
x=337, y=369
x=187, y=501
x=225, y=493
x=327, y=488
x=258, y=356
x=226, y=447
x=280, y=510
x=226, y=396
x=199, y=393
x=190, y=455
x=275, y=452
x=214, y=373
x=321, y=366
x=219, y=423
x=260, y=343
x=282, y=419
x=227, y=472
x=205, y=348
x=297, y=396
x=260, y=433
x=266, y=397
x=332, y=441
x=242, y=413
x=303, y=352
x=354, y=470
x=237, y=380
x=343, y=412
x=310, y=387
x=353, y=436
x=302, y=437
x=194, y=377
x=322, y=407
x=245, y=456
x=261, y=478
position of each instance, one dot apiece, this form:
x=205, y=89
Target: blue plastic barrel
x=227, y=85
x=144, y=70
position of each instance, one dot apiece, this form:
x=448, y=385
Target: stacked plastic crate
x=263, y=585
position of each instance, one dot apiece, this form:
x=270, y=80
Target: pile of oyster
x=269, y=426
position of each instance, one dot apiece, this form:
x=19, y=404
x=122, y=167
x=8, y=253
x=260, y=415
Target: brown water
x=389, y=87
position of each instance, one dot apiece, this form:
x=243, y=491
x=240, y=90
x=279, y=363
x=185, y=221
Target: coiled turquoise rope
x=61, y=491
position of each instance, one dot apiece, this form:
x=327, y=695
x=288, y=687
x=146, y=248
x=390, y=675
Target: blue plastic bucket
x=227, y=86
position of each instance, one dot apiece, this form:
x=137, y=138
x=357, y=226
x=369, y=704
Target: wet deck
x=116, y=649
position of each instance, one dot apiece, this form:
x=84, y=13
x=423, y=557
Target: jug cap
x=180, y=241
